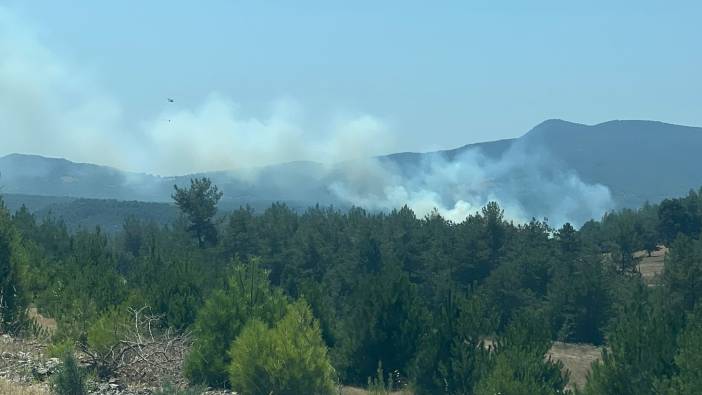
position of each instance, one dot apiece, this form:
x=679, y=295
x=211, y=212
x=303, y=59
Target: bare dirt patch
x=651, y=267
x=577, y=358
x=10, y=388
x=48, y=324
x=359, y=391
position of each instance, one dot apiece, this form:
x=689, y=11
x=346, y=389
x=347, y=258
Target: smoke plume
x=51, y=107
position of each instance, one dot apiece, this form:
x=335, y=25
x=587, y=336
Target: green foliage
x=520, y=367
x=199, y=204
x=521, y=373
x=680, y=216
x=177, y=289
x=107, y=331
x=13, y=300
x=640, y=350
x=70, y=379
x=60, y=348
x=453, y=357
x=688, y=360
x=682, y=273
x=289, y=358
x=579, y=292
x=419, y=295
x=385, y=326
x=85, y=285
x=224, y=315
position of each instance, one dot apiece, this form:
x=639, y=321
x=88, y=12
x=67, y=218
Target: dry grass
x=48, y=324
x=9, y=388
x=359, y=391
x=651, y=267
x=577, y=358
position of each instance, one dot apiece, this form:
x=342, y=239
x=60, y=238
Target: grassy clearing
x=651, y=267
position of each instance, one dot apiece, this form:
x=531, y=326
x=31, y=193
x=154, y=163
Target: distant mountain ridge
x=637, y=160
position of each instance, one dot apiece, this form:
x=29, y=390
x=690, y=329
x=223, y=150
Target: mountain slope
x=636, y=160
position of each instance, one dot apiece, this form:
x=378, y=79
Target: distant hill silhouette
x=638, y=160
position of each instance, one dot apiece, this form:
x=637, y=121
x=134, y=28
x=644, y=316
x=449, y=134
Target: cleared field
x=651, y=267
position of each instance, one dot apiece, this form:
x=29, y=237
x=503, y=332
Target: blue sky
x=436, y=76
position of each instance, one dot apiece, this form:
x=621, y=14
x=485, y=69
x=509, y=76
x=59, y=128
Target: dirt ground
x=49, y=324
x=358, y=391
x=651, y=267
x=9, y=388
x=577, y=358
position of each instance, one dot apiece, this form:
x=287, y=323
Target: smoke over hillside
x=54, y=108
x=526, y=182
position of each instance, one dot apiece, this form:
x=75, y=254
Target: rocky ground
x=26, y=369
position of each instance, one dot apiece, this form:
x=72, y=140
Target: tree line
x=295, y=302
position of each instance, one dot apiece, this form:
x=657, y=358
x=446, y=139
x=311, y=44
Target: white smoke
x=525, y=181
x=51, y=107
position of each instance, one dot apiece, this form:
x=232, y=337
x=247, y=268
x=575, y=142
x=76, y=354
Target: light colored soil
x=359, y=391
x=9, y=388
x=577, y=358
x=49, y=324
x=651, y=267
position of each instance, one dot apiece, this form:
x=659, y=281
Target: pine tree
x=13, y=301
x=640, y=350
x=289, y=358
x=248, y=296
x=199, y=204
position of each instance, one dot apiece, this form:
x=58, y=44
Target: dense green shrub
x=248, y=296
x=520, y=366
x=385, y=326
x=641, y=349
x=13, y=301
x=70, y=379
x=452, y=357
x=688, y=360
x=288, y=359
x=59, y=348
x=104, y=336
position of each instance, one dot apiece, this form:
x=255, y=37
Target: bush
x=60, y=348
x=289, y=358
x=104, y=336
x=519, y=372
x=70, y=379
x=248, y=296
x=13, y=301
x=520, y=366
x=108, y=330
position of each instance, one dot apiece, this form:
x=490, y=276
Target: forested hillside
x=288, y=302
x=637, y=161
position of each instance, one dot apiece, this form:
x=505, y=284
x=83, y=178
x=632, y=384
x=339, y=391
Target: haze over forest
x=58, y=103
x=367, y=198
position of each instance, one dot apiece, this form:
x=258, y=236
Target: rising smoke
x=51, y=107
x=525, y=181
